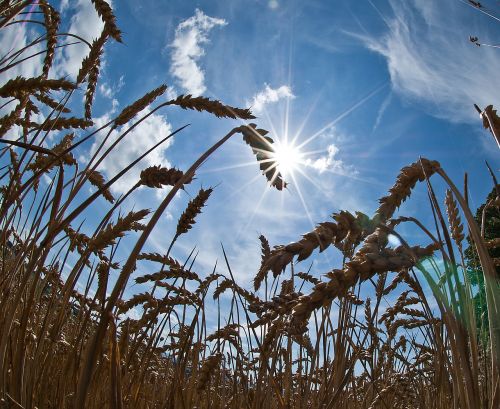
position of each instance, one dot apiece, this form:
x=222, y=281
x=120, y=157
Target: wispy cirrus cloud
x=431, y=61
x=187, y=50
x=269, y=95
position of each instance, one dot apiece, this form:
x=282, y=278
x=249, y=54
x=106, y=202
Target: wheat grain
x=93, y=58
x=96, y=179
x=47, y=163
x=52, y=20
x=106, y=13
x=454, y=219
x=262, y=147
x=47, y=100
x=57, y=124
x=363, y=265
x=16, y=86
x=110, y=233
x=166, y=274
x=405, y=182
x=9, y=120
x=157, y=177
x=214, y=107
x=324, y=235
x=132, y=110
x=308, y=277
x=187, y=218
x=207, y=369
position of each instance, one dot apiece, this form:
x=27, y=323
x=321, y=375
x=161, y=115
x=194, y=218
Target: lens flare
x=287, y=156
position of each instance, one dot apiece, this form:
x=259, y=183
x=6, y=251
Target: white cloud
x=106, y=90
x=64, y=5
x=269, y=95
x=141, y=138
x=326, y=162
x=86, y=23
x=114, y=106
x=13, y=38
x=431, y=60
x=273, y=4
x=329, y=161
x=171, y=94
x=110, y=90
x=187, y=50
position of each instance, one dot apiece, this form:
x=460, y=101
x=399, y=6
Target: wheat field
x=68, y=338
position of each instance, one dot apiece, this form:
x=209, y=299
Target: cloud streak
x=433, y=62
x=187, y=50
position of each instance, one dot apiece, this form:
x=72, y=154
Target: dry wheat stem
x=94, y=347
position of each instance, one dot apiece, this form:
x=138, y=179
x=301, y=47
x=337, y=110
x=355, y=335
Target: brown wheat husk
x=456, y=226
x=130, y=111
x=262, y=147
x=19, y=85
x=106, y=13
x=96, y=179
x=157, y=177
x=187, y=218
x=216, y=108
x=52, y=20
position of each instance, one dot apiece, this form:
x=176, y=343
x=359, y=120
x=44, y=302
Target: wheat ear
x=106, y=13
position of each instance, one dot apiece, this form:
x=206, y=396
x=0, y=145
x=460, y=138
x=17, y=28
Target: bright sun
x=287, y=156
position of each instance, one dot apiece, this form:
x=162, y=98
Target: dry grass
x=68, y=340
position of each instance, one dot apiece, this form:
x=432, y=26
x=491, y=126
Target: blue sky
x=366, y=87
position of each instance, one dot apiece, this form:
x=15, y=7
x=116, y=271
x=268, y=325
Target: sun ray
x=224, y=168
x=343, y=114
x=286, y=119
x=269, y=121
x=256, y=177
x=354, y=177
x=310, y=153
x=286, y=158
x=290, y=59
x=309, y=178
x=235, y=192
x=306, y=119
